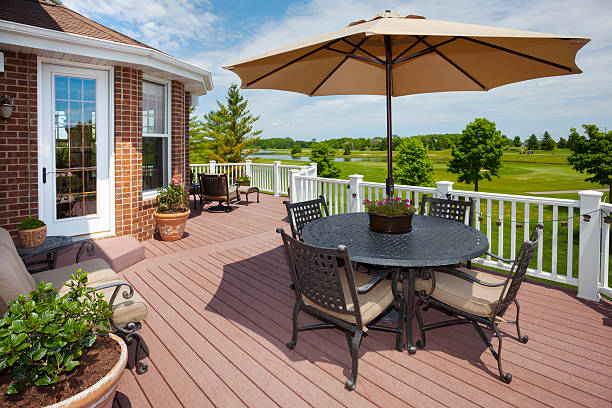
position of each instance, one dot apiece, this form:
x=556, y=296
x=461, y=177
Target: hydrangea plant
x=388, y=207
x=43, y=334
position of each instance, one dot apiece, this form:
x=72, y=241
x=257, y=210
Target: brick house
x=100, y=120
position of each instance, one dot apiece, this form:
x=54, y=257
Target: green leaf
x=19, y=326
x=89, y=341
x=44, y=380
x=39, y=354
x=15, y=388
x=12, y=359
x=17, y=339
x=70, y=365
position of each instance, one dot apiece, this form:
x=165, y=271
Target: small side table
x=248, y=189
x=52, y=245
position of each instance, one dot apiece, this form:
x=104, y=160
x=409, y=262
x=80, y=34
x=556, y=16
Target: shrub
x=296, y=149
x=42, y=335
x=324, y=155
x=29, y=223
x=389, y=207
x=173, y=198
x=412, y=164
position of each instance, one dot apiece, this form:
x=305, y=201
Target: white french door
x=75, y=188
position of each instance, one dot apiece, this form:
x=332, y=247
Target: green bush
x=296, y=149
x=29, y=223
x=42, y=335
x=324, y=155
x=173, y=198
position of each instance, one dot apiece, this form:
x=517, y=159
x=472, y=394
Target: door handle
x=44, y=175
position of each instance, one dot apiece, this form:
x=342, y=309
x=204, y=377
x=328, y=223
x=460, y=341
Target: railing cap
x=590, y=193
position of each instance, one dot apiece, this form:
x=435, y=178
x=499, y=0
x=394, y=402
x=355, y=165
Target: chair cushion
x=372, y=303
x=99, y=273
x=462, y=294
x=14, y=277
x=233, y=194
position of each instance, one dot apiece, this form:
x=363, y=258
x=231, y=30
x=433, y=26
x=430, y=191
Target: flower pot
x=102, y=393
x=171, y=226
x=33, y=237
x=245, y=183
x=391, y=224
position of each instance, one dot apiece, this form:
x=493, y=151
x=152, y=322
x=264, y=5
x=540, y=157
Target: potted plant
x=243, y=180
x=55, y=350
x=6, y=107
x=31, y=232
x=172, y=211
x=390, y=216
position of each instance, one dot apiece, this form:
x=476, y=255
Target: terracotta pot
x=102, y=393
x=33, y=237
x=171, y=226
x=391, y=224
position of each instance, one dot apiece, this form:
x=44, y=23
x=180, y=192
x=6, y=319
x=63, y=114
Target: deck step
x=120, y=252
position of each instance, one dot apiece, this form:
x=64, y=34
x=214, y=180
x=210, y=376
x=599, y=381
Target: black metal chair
x=477, y=297
x=194, y=188
x=327, y=288
x=303, y=212
x=214, y=187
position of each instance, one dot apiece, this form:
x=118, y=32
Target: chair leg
x=522, y=339
x=423, y=340
x=351, y=382
x=401, y=322
x=505, y=377
x=296, y=311
x=141, y=367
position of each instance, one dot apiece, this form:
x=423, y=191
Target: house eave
x=197, y=80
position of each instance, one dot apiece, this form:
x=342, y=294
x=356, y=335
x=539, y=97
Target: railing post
x=293, y=190
x=355, y=181
x=443, y=188
x=589, y=245
x=247, y=168
x=212, y=166
x=276, y=178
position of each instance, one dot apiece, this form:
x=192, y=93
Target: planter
x=171, y=226
x=33, y=237
x=102, y=393
x=395, y=224
x=245, y=183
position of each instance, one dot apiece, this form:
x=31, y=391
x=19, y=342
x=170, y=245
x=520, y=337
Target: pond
x=270, y=155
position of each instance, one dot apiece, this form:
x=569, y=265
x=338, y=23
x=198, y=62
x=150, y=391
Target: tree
x=347, y=149
x=562, y=143
x=547, y=142
x=477, y=155
x=199, y=146
x=412, y=164
x=517, y=142
x=593, y=155
x=533, y=143
x=229, y=130
x=324, y=155
x=296, y=149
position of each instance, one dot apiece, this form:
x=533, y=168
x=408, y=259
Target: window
x=155, y=136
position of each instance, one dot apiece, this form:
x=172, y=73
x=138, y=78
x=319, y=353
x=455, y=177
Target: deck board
x=220, y=315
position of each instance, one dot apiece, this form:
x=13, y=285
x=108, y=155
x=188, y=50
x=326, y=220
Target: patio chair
x=327, y=288
x=303, y=212
x=215, y=187
x=128, y=307
x=477, y=298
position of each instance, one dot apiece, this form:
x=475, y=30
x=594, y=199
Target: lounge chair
x=215, y=187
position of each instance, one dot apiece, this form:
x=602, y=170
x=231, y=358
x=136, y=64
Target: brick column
x=178, y=131
x=186, y=149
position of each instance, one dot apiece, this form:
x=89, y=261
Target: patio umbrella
x=394, y=55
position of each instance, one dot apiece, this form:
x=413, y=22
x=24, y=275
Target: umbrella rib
x=520, y=54
x=423, y=52
x=401, y=54
x=333, y=71
x=464, y=72
x=357, y=47
x=275, y=70
x=356, y=56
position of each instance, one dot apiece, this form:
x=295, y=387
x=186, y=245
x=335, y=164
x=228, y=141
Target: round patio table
x=433, y=241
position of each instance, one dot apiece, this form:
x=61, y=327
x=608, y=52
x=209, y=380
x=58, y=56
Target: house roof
x=52, y=30
x=57, y=17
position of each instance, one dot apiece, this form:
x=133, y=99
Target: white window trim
x=148, y=194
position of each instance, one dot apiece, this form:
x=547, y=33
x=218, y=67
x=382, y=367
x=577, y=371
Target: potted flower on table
x=172, y=211
x=31, y=232
x=390, y=216
x=243, y=180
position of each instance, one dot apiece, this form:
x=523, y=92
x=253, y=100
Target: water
x=263, y=154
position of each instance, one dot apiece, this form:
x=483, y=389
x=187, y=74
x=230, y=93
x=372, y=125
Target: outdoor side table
x=52, y=245
x=248, y=189
x=433, y=241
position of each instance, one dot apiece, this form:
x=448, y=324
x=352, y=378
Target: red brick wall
x=177, y=130
x=18, y=141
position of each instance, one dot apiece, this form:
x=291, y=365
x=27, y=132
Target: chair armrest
x=90, y=249
x=366, y=287
x=127, y=294
x=467, y=276
x=492, y=255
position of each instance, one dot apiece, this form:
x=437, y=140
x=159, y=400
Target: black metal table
x=433, y=241
x=52, y=245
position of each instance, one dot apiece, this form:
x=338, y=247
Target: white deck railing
x=571, y=250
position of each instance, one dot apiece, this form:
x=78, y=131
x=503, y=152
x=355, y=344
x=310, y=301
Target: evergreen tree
x=533, y=143
x=347, y=149
x=517, y=141
x=547, y=142
x=562, y=143
x=229, y=130
x=593, y=155
x=199, y=146
x=479, y=148
x=412, y=164
x=324, y=155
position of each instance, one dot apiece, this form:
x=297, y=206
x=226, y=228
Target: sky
x=211, y=34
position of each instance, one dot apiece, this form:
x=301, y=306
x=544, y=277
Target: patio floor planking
x=221, y=315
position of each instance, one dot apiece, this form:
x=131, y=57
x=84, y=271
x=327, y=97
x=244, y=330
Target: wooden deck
x=220, y=315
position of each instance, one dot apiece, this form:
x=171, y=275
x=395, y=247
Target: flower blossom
x=175, y=181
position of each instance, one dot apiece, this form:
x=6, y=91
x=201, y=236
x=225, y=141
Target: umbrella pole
x=389, y=89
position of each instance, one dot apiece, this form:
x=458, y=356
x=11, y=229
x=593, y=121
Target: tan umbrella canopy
x=394, y=55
